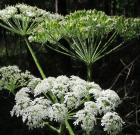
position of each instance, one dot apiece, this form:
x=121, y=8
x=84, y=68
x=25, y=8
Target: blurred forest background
x=119, y=71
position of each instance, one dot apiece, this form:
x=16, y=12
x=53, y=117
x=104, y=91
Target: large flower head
x=63, y=98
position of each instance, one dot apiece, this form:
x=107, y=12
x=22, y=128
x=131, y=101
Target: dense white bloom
x=11, y=78
x=78, y=86
x=33, y=83
x=58, y=99
x=71, y=100
x=93, y=85
x=60, y=86
x=59, y=112
x=76, y=80
x=63, y=80
x=108, y=100
x=44, y=86
x=31, y=11
x=95, y=93
x=36, y=113
x=94, y=89
x=86, y=119
x=33, y=112
x=22, y=96
x=27, y=15
x=112, y=96
x=91, y=107
x=22, y=101
x=112, y=123
x=104, y=105
x=7, y=13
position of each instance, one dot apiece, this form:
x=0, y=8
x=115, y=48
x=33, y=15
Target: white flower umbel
x=112, y=96
x=78, y=86
x=107, y=101
x=33, y=112
x=93, y=85
x=33, y=83
x=8, y=12
x=59, y=112
x=36, y=114
x=104, y=105
x=112, y=123
x=62, y=99
x=71, y=100
x=30, y=11
x=91, y=107
x=44, y=86
x=11, y=78
x=22, y=101
x=25, y=20
x=95, y=92
x=60, y=86
x=86, y=119
x=94, y=89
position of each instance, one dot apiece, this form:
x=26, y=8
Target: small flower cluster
x=23, y=19
x=105, y=102
x=22, y=11
x=7, y=13
x=86, y=24
x=11, y=78
x=112, y=123
x=35, y=111
x=57, y=99
x=87, y=116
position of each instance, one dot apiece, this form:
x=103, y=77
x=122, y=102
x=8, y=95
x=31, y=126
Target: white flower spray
x=77, y=100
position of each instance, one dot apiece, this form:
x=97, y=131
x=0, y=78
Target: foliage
x=87, y=24
x=84, y=103
x=91, y=34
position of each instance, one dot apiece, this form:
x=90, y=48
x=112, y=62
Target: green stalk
x=53, y=97
x=89, y=72
x=62, y=129
x=69, y=128
x=52, y=128
x=87, y=133
x=35, y=59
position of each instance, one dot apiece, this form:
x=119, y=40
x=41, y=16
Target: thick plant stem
x=69, y=128
x=35, y=59
x=89, y=72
